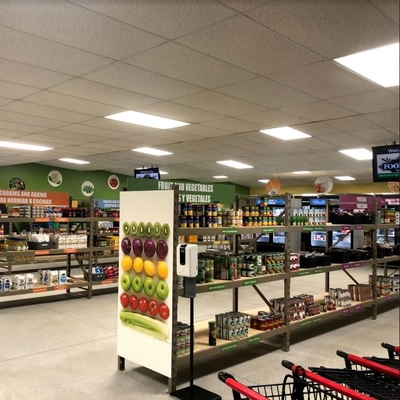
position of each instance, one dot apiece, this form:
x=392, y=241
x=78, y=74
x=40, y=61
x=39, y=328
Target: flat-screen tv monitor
x=386, y=163
x=147, y=173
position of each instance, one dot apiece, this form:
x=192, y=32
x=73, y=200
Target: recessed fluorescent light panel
x=152, y=121
x=220, y=176
x=21, y=146
x=358, y=154
x=234, y=164
x=302, y=172
x=151, y=151
x=379, y=65
x=285, y=133
x=345, y=178
x=263, y=180
x=74, y=161
x=163, y=173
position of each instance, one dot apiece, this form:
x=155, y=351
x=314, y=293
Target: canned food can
x=231, y=334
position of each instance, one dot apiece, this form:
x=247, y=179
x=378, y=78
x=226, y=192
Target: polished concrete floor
x=67, y=349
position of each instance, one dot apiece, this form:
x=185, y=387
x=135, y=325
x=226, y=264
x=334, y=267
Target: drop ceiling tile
x=233, y=140
x=252, y=137
x=71, y=103
x=51, y=141
x=350, y=124
x=200, y=130
x=266, y=93
x=323, y=79
x=318, y=129
x=273, y=118
x=95, y=131
x=242, y=6
x=15, y=91
x=234, y=125
x=378, y=136
x=346, y=140
x=24, y=48
x=238, y=151
x=376, y=100
x=29, y=75
x=216, y=102
x=20, y=127
x=173, y=136
x=389, y=7
x=384, y=118
x=329, y=28
x=46, y=112
x=30, y=120
x=104, y=146
x=138, y=80
x=317, y=144
x=200, y=145
x=106, y=94
x=168, y=19
x=75, y=26
x=318, y=111
x=79, y=137
x=5, y=133
x=180, y=62
x=4, y=101
x=242, y=42
x=394, y=129
x=178, y=111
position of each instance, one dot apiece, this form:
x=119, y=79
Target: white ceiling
x=229, y=67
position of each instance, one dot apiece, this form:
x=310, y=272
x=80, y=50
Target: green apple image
x=126, y=281
x=149, y=286
x=162, y=290
x=137, y=284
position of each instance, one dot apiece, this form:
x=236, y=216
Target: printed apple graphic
x=149, y=286
x=124, y=299
x=137, y=245
x=125, y=281
x=133, y=302
x=137, y=284
x=149, y=248
x=162, y=290
x=153, y=308
x=126, y=245
x=143, y=305
x=164, y=311
x=162, y=249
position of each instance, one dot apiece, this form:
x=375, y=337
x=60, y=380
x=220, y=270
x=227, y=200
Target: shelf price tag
x=267, y=230
x=249, y=282
x=389, y=297
x=318, y=271
x=345, y=266
x=228, y=347
x=41, y=252
x=69, y=251
x=218, y=286
x=311, y=321
x=345, y=311
x=313, y=228
x=359, y=227
x=60, y=287
x=116, y=219
x=357, y=264
x=229, y=231
x=301, y=273
x=39, y=289
x=345, y=228
x=358, y=307
x=42, y=219
x=254, y=339
x=116, y=248
x=107, y=281
x=59, y=219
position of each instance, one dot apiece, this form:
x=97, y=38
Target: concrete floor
x=67, y=349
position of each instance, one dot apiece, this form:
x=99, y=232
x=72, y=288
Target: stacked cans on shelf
x=360, y=292
x=337, y=297
x=182, y=339
x=388, y=216
x=265, y=321
x=300, y=306
x=232, y=325
x=385, y=284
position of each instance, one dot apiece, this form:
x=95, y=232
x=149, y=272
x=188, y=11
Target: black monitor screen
x=386, y=163
x=147, y=173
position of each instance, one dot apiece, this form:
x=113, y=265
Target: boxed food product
x=29, y=280
x=62, y=277
x=6, y=283
x=53, y=281
x=18, y=282
x=40, y=276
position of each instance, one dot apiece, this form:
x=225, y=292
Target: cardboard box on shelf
x=29, y=281
x=18, y=282
x=62, y=277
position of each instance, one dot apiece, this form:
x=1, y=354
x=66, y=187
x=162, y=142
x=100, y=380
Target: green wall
x=35, y=177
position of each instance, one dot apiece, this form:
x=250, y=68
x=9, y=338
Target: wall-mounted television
x=147, y=173
x=386, y=163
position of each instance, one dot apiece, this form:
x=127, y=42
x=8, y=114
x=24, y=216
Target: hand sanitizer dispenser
x=186, y=260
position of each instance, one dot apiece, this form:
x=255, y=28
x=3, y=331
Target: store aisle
x=67, y=350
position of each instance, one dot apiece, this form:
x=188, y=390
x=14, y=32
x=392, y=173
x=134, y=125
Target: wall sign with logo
x=386, y=163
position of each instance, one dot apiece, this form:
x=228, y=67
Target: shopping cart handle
x=388, y=346
x=342, y=354
x=223, y=376
x=287, y=364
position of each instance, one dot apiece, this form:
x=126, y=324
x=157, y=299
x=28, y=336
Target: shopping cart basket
x=371, y=383
x=393, y=351
x=388, y=366
x=294, y=387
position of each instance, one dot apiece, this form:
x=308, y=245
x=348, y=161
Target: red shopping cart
x=387, y=366
x=301, y=385
x=393, y=351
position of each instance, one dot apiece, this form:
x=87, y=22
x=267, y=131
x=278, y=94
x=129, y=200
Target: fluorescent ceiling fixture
x=345, y=178
x=301, y=172
x=311, y=194
x=234, y=164
x=151, y=151
x=21, y=146
x=358, y=154
x=263, y=180
x=285, y=133
x=379, y=65
x=164, y=173
x=138, y=118
x=74, y=161
x=220, y=176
